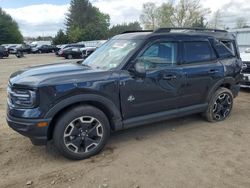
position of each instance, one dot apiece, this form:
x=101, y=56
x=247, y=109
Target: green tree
x=165, y=15
x=60, y=38
x=149, y=16
x=9, y=31
x=186, y=13
x=120, y=28
x=200, y=23
x=86, y=22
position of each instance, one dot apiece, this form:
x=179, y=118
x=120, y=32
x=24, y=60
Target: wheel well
x=98, y=105
x=226, y=85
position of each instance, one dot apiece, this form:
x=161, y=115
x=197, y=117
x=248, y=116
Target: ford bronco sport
x=133, y=79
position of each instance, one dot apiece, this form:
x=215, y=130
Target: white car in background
x=245, y=56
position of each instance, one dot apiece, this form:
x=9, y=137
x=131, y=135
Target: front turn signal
x=42, y=124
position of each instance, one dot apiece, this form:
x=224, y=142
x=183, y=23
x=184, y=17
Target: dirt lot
x=187, y=152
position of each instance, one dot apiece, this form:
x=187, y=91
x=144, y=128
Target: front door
x=159, y=90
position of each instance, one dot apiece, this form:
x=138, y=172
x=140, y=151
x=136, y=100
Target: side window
x=230, y=45
x=225, y=49
x=160, y=54
x=197, y=52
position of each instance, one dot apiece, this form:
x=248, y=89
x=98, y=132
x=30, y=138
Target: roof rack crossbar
x=137, y=31
x=168, y=29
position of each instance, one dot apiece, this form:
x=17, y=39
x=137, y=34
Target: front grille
x=247, y=70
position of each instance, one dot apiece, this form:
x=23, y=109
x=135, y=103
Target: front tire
x=81, y=132
x=220, y=105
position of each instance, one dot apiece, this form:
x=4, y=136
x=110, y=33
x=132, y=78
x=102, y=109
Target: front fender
x=89, y=98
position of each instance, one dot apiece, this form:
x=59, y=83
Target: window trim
x=150, y=43
x=212, y=51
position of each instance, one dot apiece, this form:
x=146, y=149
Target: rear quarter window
x=225, y=49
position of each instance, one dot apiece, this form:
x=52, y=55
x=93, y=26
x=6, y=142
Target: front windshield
x=111, y=54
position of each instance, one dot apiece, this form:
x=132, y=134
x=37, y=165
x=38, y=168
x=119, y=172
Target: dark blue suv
x=133, y=79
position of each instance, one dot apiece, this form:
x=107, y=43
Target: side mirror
x=139, y=68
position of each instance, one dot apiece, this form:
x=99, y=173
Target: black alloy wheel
x=81, y=132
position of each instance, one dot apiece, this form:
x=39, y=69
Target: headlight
x=21, y=98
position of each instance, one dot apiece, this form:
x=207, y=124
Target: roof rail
x=137, y=31
x=168, y=29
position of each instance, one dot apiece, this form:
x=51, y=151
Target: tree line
x=9, y=32
x=185, y=13
x=86, y=22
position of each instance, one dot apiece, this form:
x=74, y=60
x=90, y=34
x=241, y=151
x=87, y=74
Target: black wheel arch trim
x=230, y=81
x=116, y=117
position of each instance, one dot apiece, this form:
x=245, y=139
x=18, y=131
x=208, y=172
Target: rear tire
x=81, y=132
x=220, y=105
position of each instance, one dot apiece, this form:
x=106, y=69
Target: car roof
x=178, y=32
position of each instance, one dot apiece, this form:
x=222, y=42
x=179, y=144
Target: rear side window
x=197, y=52
x=225, y=49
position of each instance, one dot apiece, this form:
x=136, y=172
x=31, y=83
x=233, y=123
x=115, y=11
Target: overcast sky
x=45, y=17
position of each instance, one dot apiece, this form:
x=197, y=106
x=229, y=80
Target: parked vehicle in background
x=77, y=53
x=66, y=46
x=41, y=42
x=23, y=48
x=245, y=56
x=43, y=49
x=71, y=53
x=86, y=52
x=3, y=52
x=9, y=47
x=133, y=79
x=13, y=49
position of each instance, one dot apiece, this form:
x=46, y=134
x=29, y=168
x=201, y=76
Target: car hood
x=52, y=74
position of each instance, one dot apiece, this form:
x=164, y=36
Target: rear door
x=202, y=70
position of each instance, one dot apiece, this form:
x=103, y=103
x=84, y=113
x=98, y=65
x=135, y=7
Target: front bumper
x=29, y=128
x=245, y=82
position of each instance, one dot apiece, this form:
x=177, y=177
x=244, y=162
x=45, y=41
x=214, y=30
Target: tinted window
x=223, y=49
x=197, y=52
x=160, y=54
x=230, y=45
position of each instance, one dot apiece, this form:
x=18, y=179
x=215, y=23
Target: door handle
x=213, y=71
x=169, y=77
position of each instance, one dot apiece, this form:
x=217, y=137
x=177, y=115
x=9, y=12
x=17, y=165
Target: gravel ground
x=185, y=152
